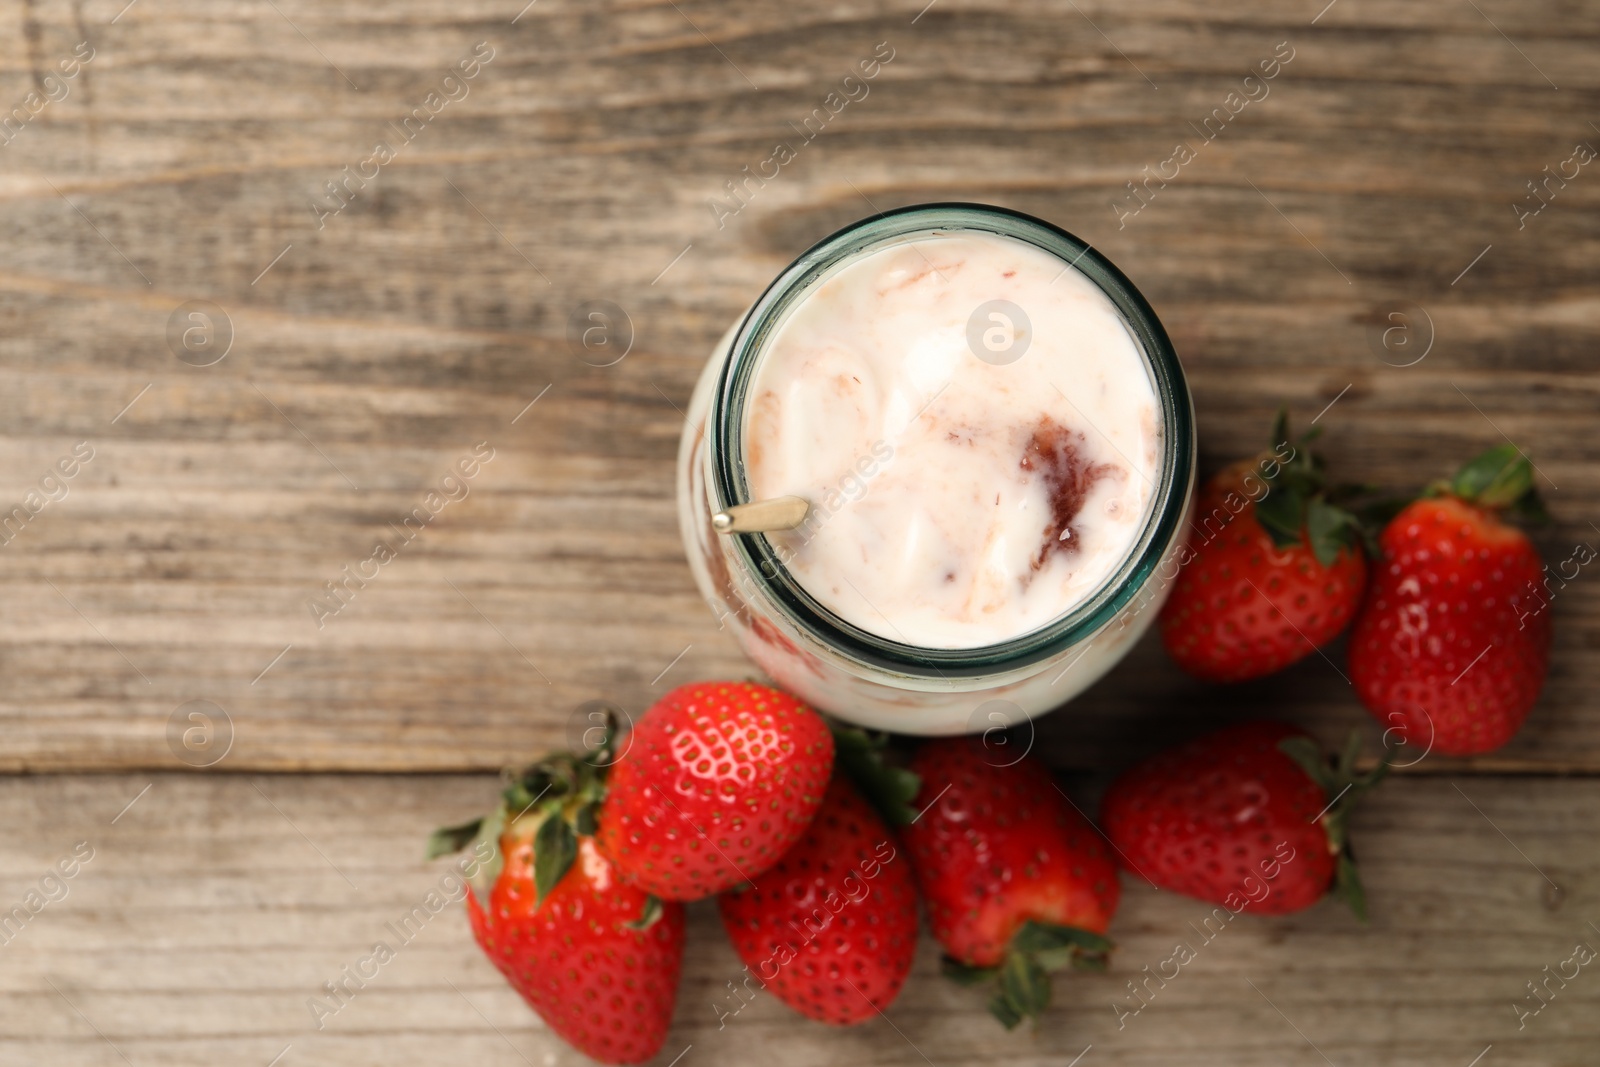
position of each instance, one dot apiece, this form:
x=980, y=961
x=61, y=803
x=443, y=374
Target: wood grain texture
x=424, y=317
x=374, y=348
x=217, y=906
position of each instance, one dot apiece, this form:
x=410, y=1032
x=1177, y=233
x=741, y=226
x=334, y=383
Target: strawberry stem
x=448, y=839
x=965, y=973
x=555, y=847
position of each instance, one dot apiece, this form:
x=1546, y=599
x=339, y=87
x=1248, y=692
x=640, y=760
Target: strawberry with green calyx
x=1018, y=884
x=597, y=959
x=1500, y=481
x=1251, y=817
x=1274, y=567
x=1343, y=787
x=1451, y=647
x=1300, y=507
x=560, y=794
x=1036, y=951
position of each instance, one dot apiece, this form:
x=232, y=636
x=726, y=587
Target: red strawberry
x=1249, y=817
x=1272, y=571
x=717, y=782
x=832, y=928
x=597, y=959
x=1453, y=642
x=1017, y=882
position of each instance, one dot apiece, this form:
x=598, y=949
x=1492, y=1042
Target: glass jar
x=863, y=677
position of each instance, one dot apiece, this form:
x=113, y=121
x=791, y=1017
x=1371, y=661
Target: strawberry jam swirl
x=960, y=497
x=1056, y=454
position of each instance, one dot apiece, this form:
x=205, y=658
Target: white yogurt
x=957, y=501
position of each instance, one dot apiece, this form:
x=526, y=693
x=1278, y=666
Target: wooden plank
x=215, y=906
x=425, y=316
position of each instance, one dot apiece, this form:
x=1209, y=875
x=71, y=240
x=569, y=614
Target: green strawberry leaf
x=562, y=792
x=1034, y=936
x=1381, y=771
x=1301, y=508
x=1500, y=479
x=1308, y=754
x=1024, y=988
x=1281, y=513
x=1347, y=886
x=1331, y=529
x=859, y=754
x=534, y=783
x=561, y=776
x=448, y=839
x=584, y=822
x=1001, y=1008
x=1047, y=948
x=555, y=846
x=649, y=916
x=1343, y=787
x=1036, y=950
x=1494, y=479
x=1280, y=429
x=489, y=873
x=965, y=973
x=1349, y=754
x=604, y=754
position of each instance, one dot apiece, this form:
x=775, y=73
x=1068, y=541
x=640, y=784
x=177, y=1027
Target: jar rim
x=727, y=484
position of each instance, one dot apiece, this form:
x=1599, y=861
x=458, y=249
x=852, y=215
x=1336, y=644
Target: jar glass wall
x=865, y=677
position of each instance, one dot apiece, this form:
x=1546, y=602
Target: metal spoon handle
x=759, y=516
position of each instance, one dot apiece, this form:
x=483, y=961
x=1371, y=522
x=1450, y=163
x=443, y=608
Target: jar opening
x=764, y=564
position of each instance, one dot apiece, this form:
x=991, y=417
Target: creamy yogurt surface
x=962, y=494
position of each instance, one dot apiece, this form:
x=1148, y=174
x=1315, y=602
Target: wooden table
x=1355, y=237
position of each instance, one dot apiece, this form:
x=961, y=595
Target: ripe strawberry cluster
x=1451, y=636
x=817, y=848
